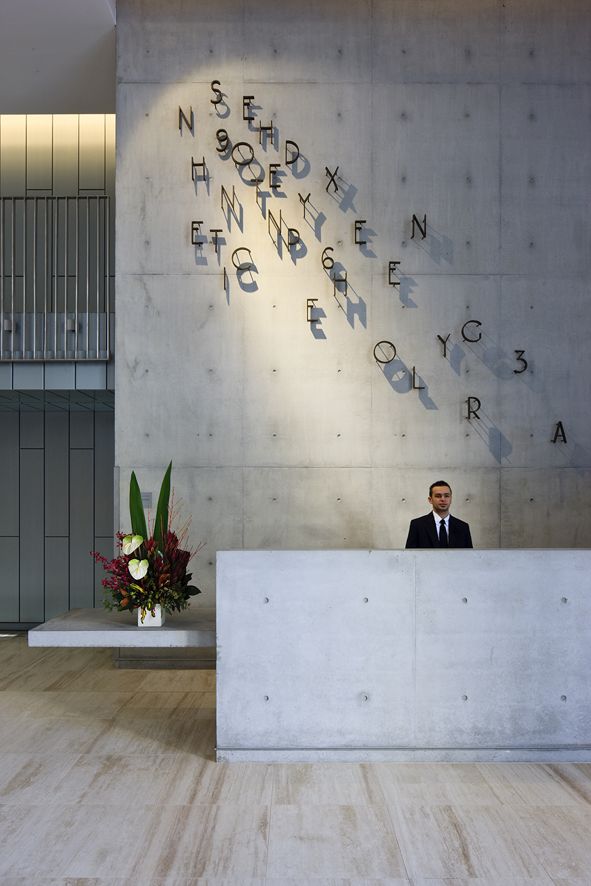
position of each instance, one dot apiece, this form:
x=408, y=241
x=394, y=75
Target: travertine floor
x=108, y=777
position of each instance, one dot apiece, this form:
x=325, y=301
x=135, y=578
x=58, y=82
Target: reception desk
x=448, y=655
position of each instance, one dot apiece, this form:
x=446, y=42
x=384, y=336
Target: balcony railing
x=55, y=278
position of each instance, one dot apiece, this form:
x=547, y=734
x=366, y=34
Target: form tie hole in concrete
x=563, y=698
x=266, y=600
x=364, y=696
x=464, y=599
x=266, y=697
x=366, y=599
x=564, y=600
x=464, y=698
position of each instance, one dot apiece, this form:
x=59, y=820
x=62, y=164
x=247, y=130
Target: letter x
x=332, y=176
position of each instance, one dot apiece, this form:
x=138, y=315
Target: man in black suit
x=439, y=529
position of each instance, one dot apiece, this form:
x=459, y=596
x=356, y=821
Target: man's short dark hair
x=438, y=483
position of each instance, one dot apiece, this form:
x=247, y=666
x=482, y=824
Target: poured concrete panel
x=265, y=706
x=299, y=42
x=544, y=41
x=447, y=655
x=544, y=218
x=277, y=507
x=438, y=155
x=207, y=404
x=544, y=506
x=157, y=42
x=436, y=40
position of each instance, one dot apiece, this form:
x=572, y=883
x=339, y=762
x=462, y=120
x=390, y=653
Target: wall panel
x=81, y=528
x=13, y=157
x=9, y=471
x=32, y=547
x=9, y=595
x=56, y=473
x=56, y=576
x=39, y=152
x=65, y=154
x=92, y=152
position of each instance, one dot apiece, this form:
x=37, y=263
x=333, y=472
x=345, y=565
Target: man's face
x=440, y=500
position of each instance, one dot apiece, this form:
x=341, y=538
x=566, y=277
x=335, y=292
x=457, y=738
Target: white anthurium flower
x=131, y=543
x=138, y=568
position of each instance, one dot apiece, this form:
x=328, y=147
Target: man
x=439, y=529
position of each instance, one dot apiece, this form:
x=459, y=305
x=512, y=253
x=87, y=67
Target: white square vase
x=151, y=621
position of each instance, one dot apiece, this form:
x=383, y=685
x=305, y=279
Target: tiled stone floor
x=107, y=778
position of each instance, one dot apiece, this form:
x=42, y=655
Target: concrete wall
x=290, y=434
x=436, y=655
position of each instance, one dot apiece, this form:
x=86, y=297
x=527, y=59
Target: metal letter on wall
x=246, y=103
x=559, y=433
x=422, y=227
x=467, y=337
x=444, y=342
x=310, y=302
x=415, y=386
x=358, y=228
x=332, y=179
x=195, y=165
x=219, y=95
x=384, y=352
x=473, y=404
x=295, y=152
x=197, y=239
x=188, y=121
x=520, y=359
x=392, y=269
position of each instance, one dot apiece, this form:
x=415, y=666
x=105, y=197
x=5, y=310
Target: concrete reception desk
x=404, y=655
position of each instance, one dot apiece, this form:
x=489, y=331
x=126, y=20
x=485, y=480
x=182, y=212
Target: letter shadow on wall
x=345, y=196
x=498, y=445
x=438, y=246
x=300, y=168
x=365, y=248
x=407, y=284
x=399, y=377
x=317, y=219
x=351, y=308
x=315, y=327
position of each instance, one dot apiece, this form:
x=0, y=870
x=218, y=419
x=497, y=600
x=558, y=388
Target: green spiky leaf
x=136, y=508
x=161, y=523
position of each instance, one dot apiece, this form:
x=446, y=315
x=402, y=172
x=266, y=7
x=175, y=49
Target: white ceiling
x=57, y=56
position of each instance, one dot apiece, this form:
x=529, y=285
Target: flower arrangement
x=151, y=569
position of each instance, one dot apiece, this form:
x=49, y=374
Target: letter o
x=243, y=162
x=380, y=359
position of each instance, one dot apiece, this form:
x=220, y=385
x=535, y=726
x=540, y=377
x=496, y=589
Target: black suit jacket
x=422, y=533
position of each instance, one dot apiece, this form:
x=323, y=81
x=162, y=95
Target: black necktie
x=443, y=542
